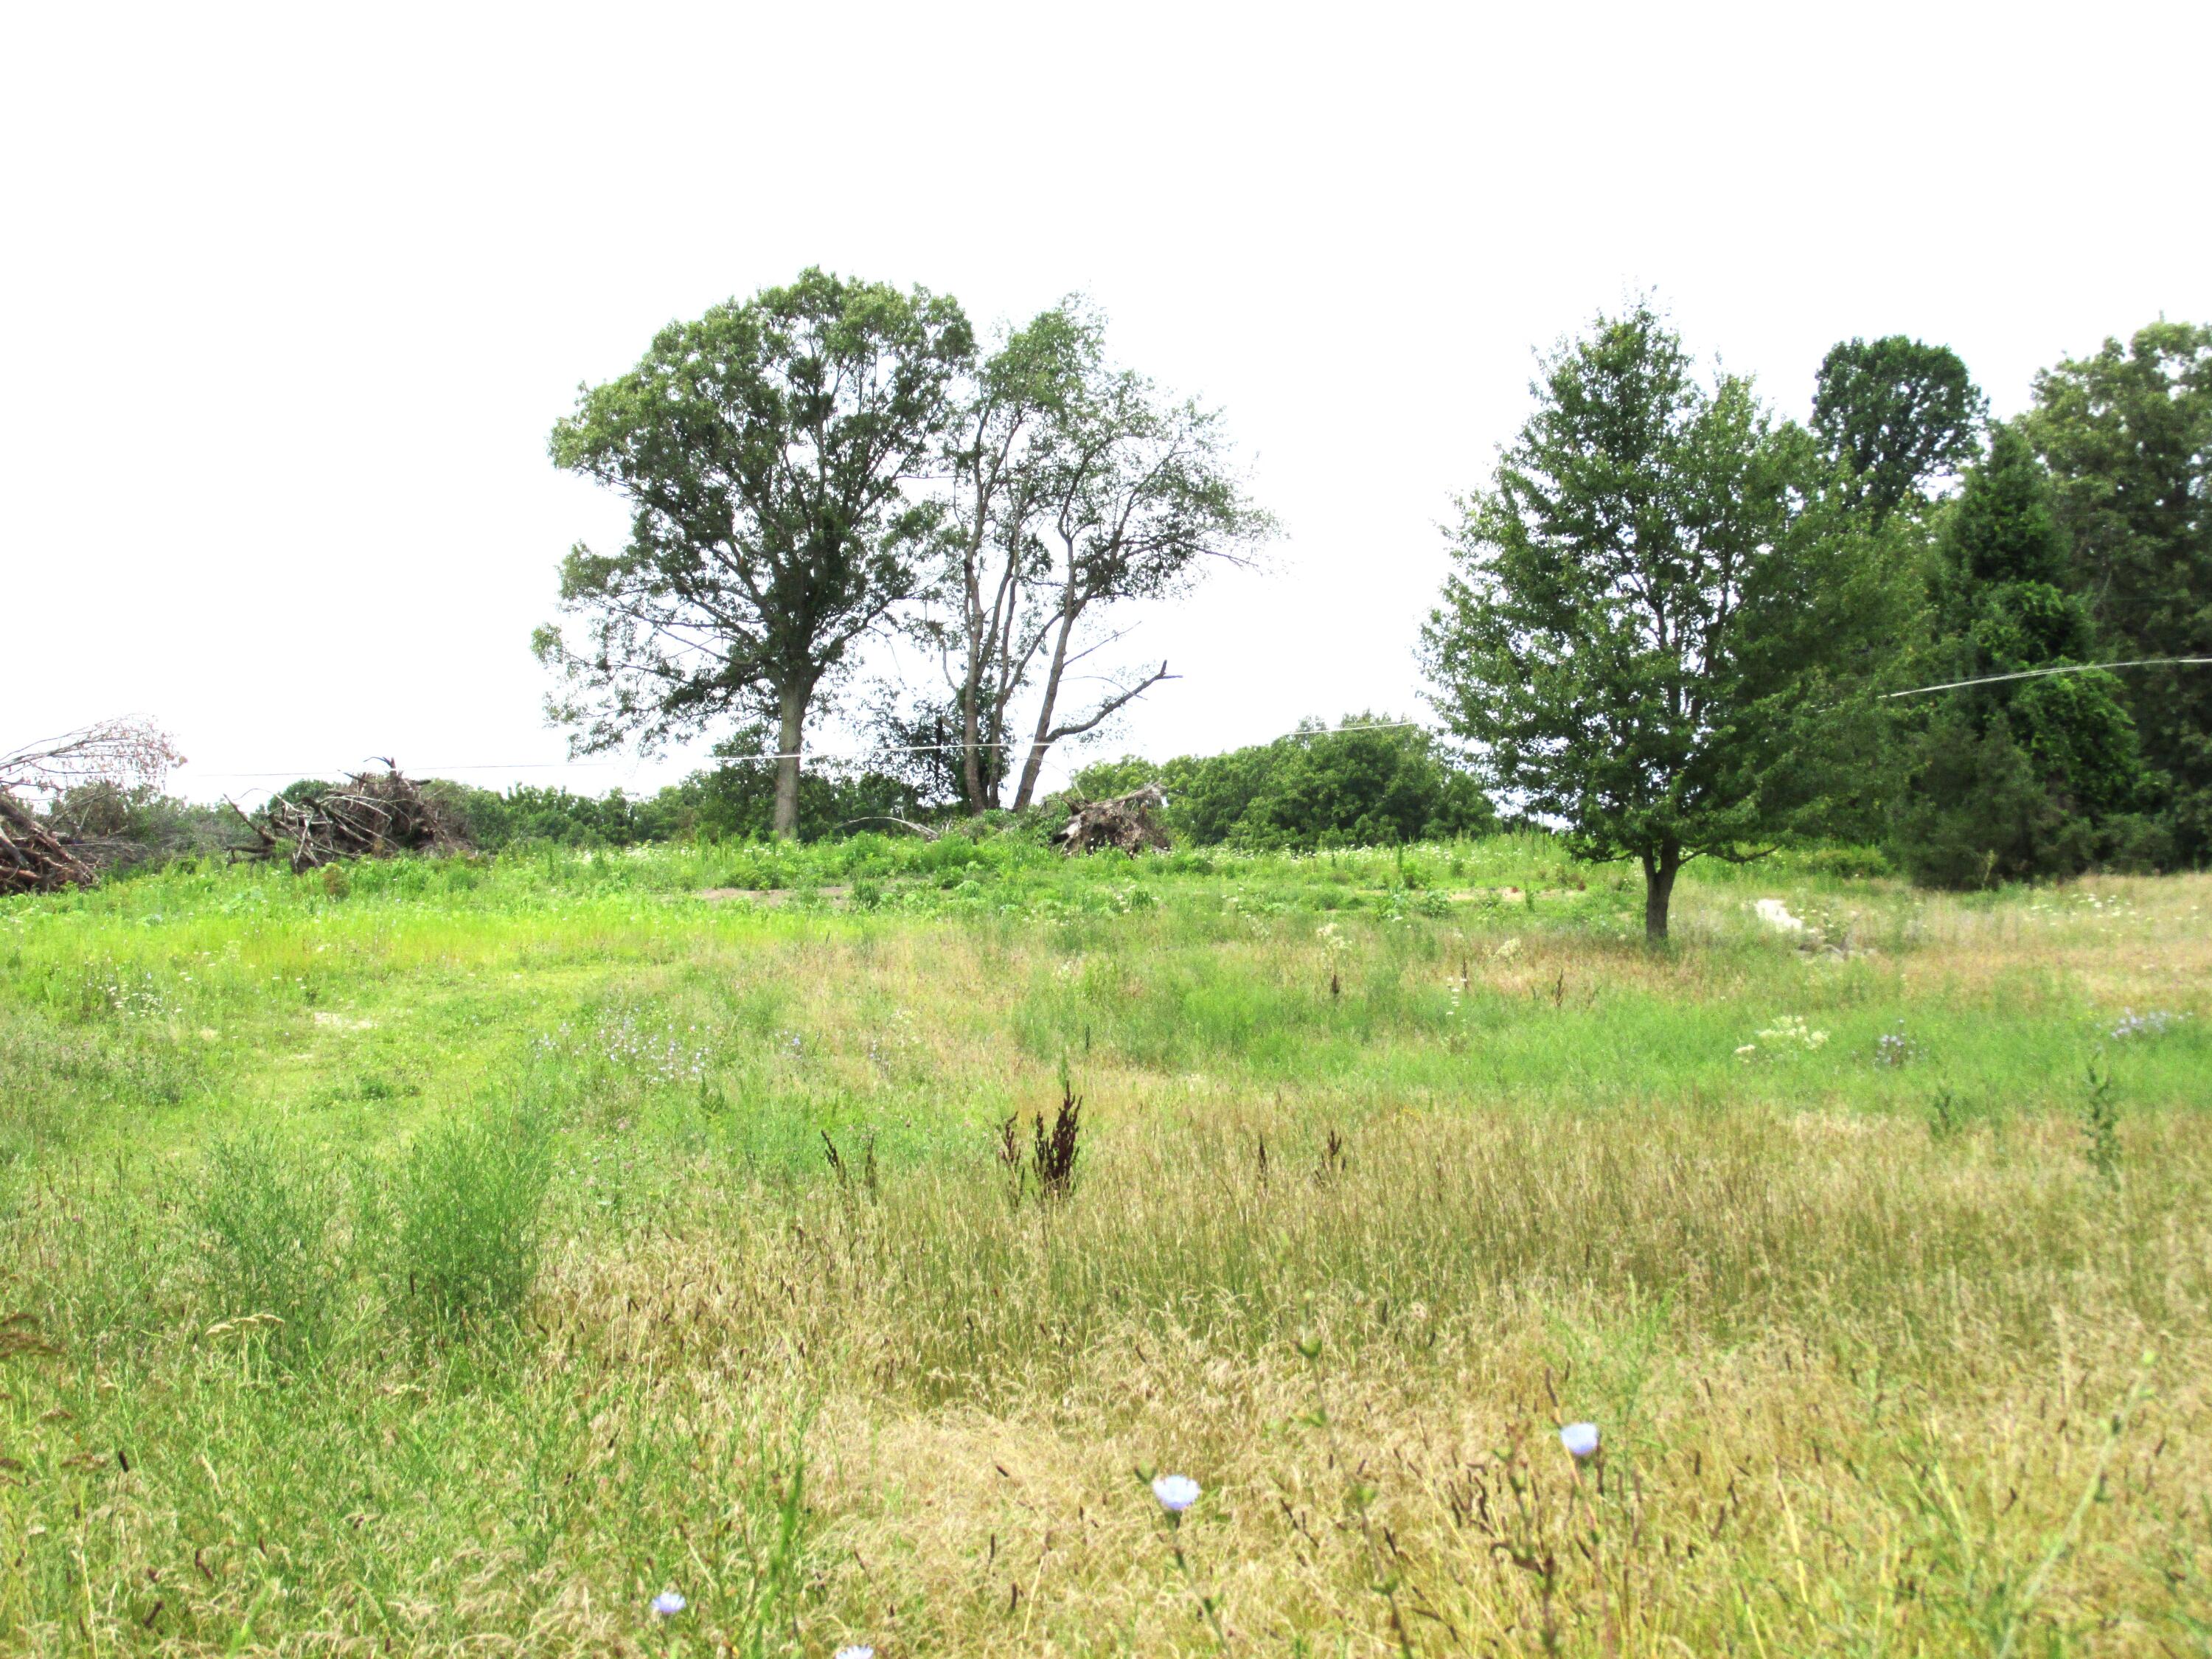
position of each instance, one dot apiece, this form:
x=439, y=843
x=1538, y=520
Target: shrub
x=1346, y=788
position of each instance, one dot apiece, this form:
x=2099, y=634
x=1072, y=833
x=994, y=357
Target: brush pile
x=1125, y=823
x=375, y=815
x=32, y=858
x=131, y=753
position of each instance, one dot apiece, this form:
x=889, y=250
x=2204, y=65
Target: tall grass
x=1896, y=1347
x=464, y=1219
x=270, y=1214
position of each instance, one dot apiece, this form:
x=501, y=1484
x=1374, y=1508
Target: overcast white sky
x=290, y=296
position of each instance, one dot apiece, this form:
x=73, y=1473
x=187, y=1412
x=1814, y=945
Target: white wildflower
x=1177, y=1492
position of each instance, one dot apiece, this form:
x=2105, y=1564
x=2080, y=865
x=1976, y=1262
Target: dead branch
x=131, y=752
x=921, y=830
x=32, y=860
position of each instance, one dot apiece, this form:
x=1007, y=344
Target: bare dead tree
x=131, y=752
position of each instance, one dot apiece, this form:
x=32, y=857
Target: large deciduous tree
x=1655, y=630
x=1896, y=413
x=1078, y=487
x=771, y=453
x=2127, y=434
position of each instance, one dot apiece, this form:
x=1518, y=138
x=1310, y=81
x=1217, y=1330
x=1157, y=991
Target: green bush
x=1379, y=787
x=464, y=1229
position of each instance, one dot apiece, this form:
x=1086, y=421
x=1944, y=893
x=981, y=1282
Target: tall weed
x=464, y=1224
x=269, y=1213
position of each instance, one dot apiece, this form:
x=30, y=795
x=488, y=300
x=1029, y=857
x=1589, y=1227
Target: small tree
x=1896, y=413
x=771, y=453
x=1647, y=610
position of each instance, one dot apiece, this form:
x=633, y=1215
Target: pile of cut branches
x=1126, y=824
x=129, y=753
x=372, y=815
x=32, y=860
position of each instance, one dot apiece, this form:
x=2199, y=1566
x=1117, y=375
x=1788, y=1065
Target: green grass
x=452, y=1253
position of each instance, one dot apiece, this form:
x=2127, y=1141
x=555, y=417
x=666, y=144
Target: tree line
x=1678, y=625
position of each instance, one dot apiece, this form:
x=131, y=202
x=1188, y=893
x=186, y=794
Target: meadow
x=453, y=1256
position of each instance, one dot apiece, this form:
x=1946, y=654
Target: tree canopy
x=1645, y=617
x=1896, y=413
x=1079, y=488
x=2015, y=778
x=2127, y=434
x=769, y=452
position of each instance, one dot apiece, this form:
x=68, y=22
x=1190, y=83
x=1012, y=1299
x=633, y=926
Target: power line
x=2067, y=668
x=798, y=755
x=954, y=748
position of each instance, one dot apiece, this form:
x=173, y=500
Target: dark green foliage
x=1348, y=787
x=532, y=812
x=732, y=800
x=1657, y=633
x=1895, y=413
x=737, y=799
x=2032, y=777
x=2127, y=434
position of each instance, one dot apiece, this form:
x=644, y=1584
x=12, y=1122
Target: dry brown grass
x=1855, y=1385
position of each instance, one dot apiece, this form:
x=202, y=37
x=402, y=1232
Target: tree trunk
x=1042, y=741
x=792, y=728
x=971, y=757
x=1660, y=867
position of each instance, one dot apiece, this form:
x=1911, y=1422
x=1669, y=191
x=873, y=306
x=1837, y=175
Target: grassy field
x=431, y=1258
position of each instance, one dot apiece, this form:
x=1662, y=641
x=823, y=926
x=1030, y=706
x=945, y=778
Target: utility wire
x=954, y=748
x=799, y=755
x=2067, y=668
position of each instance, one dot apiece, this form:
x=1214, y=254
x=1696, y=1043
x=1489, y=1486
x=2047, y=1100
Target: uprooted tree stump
x=1125, y=823
x=33, y=858
x=371, y=815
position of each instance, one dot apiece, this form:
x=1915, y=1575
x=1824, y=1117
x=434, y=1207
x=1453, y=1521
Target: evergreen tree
x=2028, y=777
x=2127, y=434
